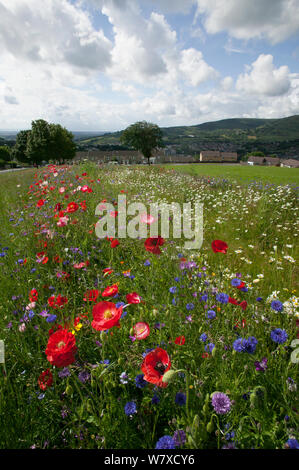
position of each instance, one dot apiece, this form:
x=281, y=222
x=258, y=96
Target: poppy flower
x=218, y=246
x=105, y=315
x=114, y=243
x=33, y=295
x=110, y=291
x=61, y=348
x=147, y=219
x=83, y=205
x=86, y=189
x=241, y=285
x=113, y=214
x=40, y=203
x=152, y=244
x=180, y=340
x=91, y=295
x=45, y=379
x=133, y=298
x=154, y=366
x=141, y=330
x=232, y=301
x=72, y=207
x=107, y=271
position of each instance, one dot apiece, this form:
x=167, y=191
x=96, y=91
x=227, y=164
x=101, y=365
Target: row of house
x=211, y=156
x=128, y=157
x=273, y=161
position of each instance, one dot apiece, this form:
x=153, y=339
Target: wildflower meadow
x=140, y=343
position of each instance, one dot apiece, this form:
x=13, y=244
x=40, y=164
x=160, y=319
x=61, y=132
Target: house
x=274, y=161
x=256, y=160
x=290, y=163
x=210, y=156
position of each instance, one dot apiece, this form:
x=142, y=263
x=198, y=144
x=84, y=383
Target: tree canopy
x=144, y=137
x=44, y=142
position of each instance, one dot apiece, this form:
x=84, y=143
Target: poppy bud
x=169, y=376
x=210, y=426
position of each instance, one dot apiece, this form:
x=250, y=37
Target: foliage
x=5, y=153
x=144, y=137
x=19, y=149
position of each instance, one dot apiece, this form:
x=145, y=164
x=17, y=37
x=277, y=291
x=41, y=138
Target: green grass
x=240, y=173
x=260, y=226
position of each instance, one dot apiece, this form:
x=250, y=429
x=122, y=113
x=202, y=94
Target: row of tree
x=44, y=142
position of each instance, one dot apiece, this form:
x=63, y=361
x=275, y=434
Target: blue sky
x=104, y=64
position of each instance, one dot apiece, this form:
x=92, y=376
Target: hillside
x=280, y=136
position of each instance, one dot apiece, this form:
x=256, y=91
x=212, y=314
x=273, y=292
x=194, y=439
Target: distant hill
x=274, y=136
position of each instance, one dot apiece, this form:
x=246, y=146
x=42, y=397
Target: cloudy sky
x=105, y=64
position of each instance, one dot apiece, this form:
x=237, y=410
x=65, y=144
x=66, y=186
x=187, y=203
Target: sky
x=101, y=65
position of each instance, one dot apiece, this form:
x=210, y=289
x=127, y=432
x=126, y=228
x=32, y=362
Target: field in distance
x=243, y=174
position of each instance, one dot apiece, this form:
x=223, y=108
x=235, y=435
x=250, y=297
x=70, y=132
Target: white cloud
x=264, y=78
x=275, y=20
x=52, y=31
x=195, y=68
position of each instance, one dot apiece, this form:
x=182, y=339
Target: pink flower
x=62, y=221
x=147, y=219
x=61, y=190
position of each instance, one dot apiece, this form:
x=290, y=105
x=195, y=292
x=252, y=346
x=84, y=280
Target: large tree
x=19, y=149
x=38, y=143
x=62, y=146
x=144, y=137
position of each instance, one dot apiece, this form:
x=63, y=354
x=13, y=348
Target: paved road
x=13, y=169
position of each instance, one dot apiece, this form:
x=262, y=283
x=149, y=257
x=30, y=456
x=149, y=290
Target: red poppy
x=107, y=271
x=33, y=295
x=83, y=205
x=91, y=295
x=113, y=214
x=154, y=366
x=243, y=304
x=57, y=207
x=233, y=301
x=180, y=340
x=218, y=246
x=152, y=244
x=133, y=298
x=59, y=301
x=114, y=243
x=40, y=203
x=72, y=207
x=45, y=379
x=105, y=315
x=240, y=286
x=110, y=291
x=61, y=348
x=141, y=330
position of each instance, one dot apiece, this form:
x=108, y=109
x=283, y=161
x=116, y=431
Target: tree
x=19, y=149
x=144, y=137
x=5, y=153
x=38, y=143
x=62, y=146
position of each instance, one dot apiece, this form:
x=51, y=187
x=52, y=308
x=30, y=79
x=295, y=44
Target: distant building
x=290, y=163
x=270, y=161
x=216, y=156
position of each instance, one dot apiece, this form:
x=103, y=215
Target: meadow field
x=241, y=173
x=122, y=343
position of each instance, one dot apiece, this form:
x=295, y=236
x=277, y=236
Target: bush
x=2, y=163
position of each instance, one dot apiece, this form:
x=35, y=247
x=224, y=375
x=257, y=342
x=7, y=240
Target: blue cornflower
x=209, y=347
x=292, y=444
x=190, y=306
x=259, y=299
x=279, y=336
x=165, y=442
x=180, y=399
x=155, y=399
x=245, y=345
x=64, y=373
x=84, y=376
x=179, y=438
x=140, y=383
x=173, y=301
x=130, y=408
x=236, y=282
x=147, y=263
x=51, y=318
x=211, y=314
x=203, y=337
x=277, y=305
x=222, y=298
x=173, y=290
x=204, y=297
